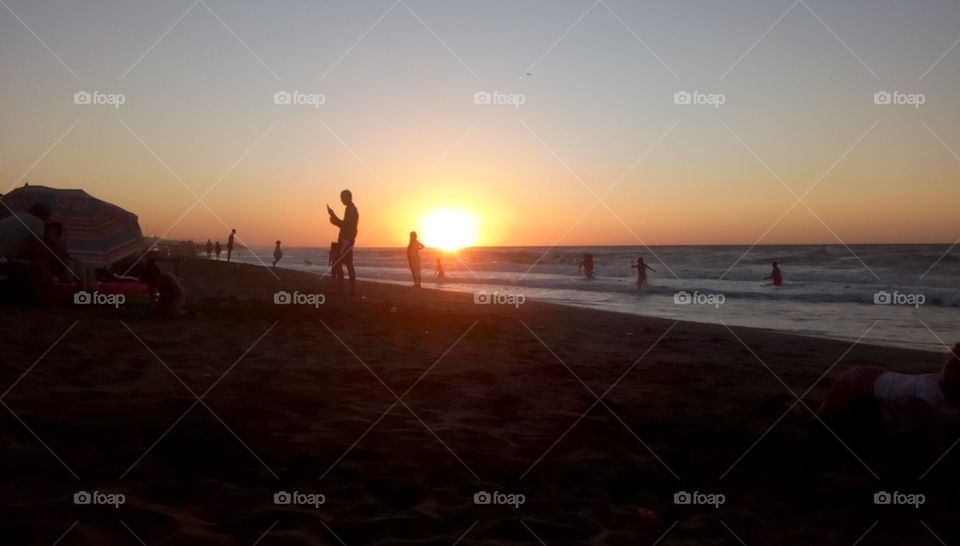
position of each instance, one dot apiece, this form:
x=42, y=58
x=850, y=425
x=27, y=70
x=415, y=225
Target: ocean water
x=900, y=295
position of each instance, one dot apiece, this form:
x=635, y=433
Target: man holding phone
x=347, y=238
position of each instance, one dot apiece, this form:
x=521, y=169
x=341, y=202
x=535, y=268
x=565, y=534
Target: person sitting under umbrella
x=165, y=290
x=24, y=258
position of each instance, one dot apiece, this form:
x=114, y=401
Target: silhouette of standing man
x=230, y=244
x=346, y=239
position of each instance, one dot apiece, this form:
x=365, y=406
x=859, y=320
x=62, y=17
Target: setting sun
x=448, y=229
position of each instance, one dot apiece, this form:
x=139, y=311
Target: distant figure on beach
x=641, y=267
x=335, y=272
x=874, y=400
x=230, y=244
x=347, y=238
x=438, y=273
x=586, y=265
x=413, y=258
x=209, y=248
x=776, y=276
x=217, y=250
x=277, y=254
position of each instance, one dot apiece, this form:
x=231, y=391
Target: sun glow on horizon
x=448, y=228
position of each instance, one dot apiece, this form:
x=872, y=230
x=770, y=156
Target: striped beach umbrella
x=96, y=233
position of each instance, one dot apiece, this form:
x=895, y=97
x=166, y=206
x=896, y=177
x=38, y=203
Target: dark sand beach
x=491, y=398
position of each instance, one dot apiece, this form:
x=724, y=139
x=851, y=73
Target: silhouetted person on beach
x=641, y=267
x=334, y=263
x=166, y=293
x=277, y=254
x=347, y=238
x=776, y=276
x=217, y=250
x=24, y=257
x=209, y=248
x=438, y=272
x=230, y=244
x=413, y=258
x=587, y=266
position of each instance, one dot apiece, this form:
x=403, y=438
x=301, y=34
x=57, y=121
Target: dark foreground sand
x=288, y=403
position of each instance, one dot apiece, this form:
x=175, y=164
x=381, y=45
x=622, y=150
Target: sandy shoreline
x=493, y=398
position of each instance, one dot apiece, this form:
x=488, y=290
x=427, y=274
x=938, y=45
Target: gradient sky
x=400, y=127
